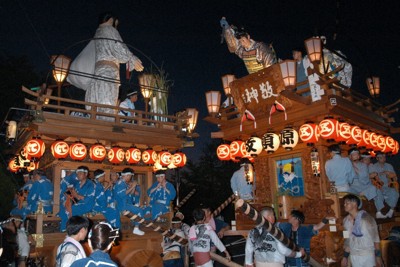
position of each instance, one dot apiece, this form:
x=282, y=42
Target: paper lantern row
x=344, y=133
x=270, y=142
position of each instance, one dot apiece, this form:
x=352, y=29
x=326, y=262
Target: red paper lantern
x=328, y=129
x=133, y=155
x=223, y=152
x=237, y=149
x=309, y=133
x=59, y=149
x=35, y=148
x=149, y=156
x=165, y=158
x=12, y=166
x=116, y=155
x=396, y=148
x=364, y=142
x=344, y=132
x=97, y=152
x=179, y=159
x=381, y=144
x=390, y=144
x=373, y=142
x=77, y=151
x=33, y=166
x=355, y=136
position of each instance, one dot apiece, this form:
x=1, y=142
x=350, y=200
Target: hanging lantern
x=270, y=142
x=237, y=149
x=223, y=152
x=60, y=149
x=165, y=158
x=97, y=152
x=289, y=73
x=34, y=165
x=328, y=129
x=344, y=132
x=381, y=142
x=289, y=138
x=116, y=155
x=12, y=166
x=373, y=85
x=364, y=142
x=77, y=151
x=213, y=99
x=373, y=142
x=314, y=49
x=149, y=156
x=179, y=159
x=309, y=133
x=396, y=148
x=22, y=160
x=355, y=136
x=254, y=146
x=133, y=155
x=389, y=144
x=35, y=148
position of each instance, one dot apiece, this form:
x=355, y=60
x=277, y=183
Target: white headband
x=99, y=175
x=81, y=170
x=126, y=173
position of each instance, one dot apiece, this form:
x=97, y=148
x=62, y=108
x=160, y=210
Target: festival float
x=284, y=125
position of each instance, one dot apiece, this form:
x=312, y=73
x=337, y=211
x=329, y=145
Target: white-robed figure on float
x=102, y=56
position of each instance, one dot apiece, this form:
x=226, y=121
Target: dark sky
x=184, y=37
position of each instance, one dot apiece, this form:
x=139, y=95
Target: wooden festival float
x=60, y=137
x=286, y=130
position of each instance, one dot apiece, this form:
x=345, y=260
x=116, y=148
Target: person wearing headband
x=240, y=187
x=102, y=194
x=385, y=172
x=172, y=250
x=100, y=239
x=78, y=198
x=41, y=192
x=161, y=194
x=362, y=247
x=184, y=226
x=300, y=234
x=339, y=170
x=19, y=201
x=127, y=105
x=362, y=184
x=122, y=190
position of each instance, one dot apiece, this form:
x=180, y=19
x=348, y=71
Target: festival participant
x=172, y=250
x=184, y=226
x=339, y=170
x=384, y=171
x=20, y=197
x=161, y=194
x=363, y=244
x=101, y=239
x=200, y=237
x=301, y=72
x=128, y=103
x=71, y=250
x=262, y=249
x=102, y=194
x=255, y=55
x=122, y=189
x=110, y=51
x=240, y=187
x=41, y=193
x=79, y=196
x=362, y=184
x=300, y=234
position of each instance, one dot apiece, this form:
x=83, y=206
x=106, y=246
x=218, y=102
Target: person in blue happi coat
x=122, y=190
x=41, y=193
x=102, y=196
x=20, y=202
x=79, y=195
x=161, y=193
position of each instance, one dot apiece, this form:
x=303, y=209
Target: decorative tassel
x=276, y=107
x=247, y=115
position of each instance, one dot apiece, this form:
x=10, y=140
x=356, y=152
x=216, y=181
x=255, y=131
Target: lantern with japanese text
x=328, y=129
x=165, y=158
x=289, y=138
x=254, y=146
x=149, y=156
x=12, y=166
x=373, y=142
x=355, y=136
x=60, y=149
x=33, y=166
x=270, y=142
x=116, y=155
x=179, y=159
x=21, y=159
x=35, y=148
x=77, y=151
x=364, y=142
x=237, y=149
x=344, y=132
x=223, y=152
x=309, y=133
x=133, y=155
x=381, y=143
x=390, y=144
x=97, y=152
x=396, y=148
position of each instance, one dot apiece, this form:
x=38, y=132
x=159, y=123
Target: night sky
x=184, y=38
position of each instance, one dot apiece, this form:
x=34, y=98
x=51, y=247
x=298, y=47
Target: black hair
x=98, y=172
x=352, y=198
x=75, y=224
x=128, y=170
x=198, y=215
x=83, y=168
x=298, y=215
x=240, y=32
x=38, y=172
x=354, y=149
x=334, y=148
x=104, y=17
x=102, y=235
